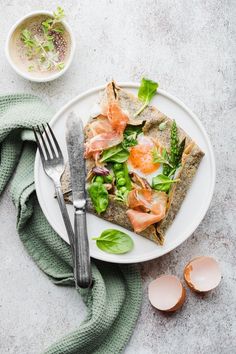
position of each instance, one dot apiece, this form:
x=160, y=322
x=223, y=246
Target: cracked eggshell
x=166, y=293
x=202, y=274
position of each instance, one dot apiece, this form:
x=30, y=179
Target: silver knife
x=75, y=147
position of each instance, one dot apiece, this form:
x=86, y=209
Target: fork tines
x=47, y=143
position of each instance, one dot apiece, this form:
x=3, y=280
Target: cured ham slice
x=117, y=117
x=140, y=199
x=147, y=207
x=159, y=203
x=100, y=136
x=141, y=220
x=101, y=142
x=110, y=107
x=107, y=130
x=98, y=126
x=146, y=199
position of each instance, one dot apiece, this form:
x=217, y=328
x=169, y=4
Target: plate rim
x=211, y=159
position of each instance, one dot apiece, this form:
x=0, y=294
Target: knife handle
x=83, y=271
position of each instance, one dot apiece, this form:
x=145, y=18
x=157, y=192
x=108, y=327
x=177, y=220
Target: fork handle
x=65, y=216
x=83, y=272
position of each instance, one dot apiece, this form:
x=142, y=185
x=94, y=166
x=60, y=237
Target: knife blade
x=75, y=148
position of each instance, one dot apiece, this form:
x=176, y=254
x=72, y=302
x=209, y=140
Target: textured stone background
x=189, y=47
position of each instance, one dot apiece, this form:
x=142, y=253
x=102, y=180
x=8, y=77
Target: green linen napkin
x=115, y=299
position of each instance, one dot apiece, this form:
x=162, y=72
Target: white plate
x=192, y=210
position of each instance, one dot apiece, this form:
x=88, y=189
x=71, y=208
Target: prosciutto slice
x=110, y=107
x=141, y=220
x=101, y=142
x=100, y=136
x=98, y=126
x=147, y=207
x=107, y=130
x=117, y=117
x=140, y=199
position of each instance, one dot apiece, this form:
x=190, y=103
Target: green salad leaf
x=114, y=241
x=120, y=157
x=115, y=154
x=107, y=154
x=163, y=183
x=146, y=92
x=130, y=135
x=99, y=196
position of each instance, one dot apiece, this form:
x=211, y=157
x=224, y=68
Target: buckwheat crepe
x=151, y=117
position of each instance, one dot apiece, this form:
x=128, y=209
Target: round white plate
x=192, y=210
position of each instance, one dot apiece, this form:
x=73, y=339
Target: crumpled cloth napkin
x=115, y=299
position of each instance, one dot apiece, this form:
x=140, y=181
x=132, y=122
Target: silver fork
x=54, y=166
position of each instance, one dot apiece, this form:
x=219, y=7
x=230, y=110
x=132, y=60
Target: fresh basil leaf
x=163, y=183
x=115, y=154
x=99, y=196
x=114, y=241
x=146, y=92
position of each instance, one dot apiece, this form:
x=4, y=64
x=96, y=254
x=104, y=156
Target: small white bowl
x=29, y=75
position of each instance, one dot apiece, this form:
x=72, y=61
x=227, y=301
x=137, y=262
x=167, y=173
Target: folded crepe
x=150, y=118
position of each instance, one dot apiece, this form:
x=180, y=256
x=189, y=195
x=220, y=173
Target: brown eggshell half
x=166, y=293
x=202, y=274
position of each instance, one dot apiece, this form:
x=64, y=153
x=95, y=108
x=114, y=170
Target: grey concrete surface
x=189, y=47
